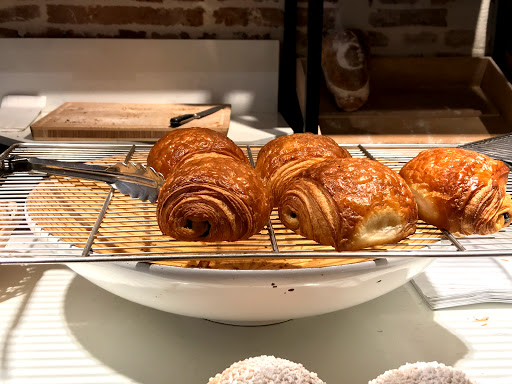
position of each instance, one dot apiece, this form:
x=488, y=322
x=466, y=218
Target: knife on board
x=182, y=119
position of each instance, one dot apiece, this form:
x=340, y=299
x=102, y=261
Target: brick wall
x=392, y=27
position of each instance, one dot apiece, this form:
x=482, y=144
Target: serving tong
x=129, y=178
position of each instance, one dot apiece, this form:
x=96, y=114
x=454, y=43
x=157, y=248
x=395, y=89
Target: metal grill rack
x=59, y=220
x=499, y=147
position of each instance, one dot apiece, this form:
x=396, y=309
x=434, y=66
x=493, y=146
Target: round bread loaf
x=266, y=370
x=423, y=373
x=345, y=68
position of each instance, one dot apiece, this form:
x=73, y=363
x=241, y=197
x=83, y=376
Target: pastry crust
x=349, y=204
x=286, y=156
x=459, y=190
x=211, y=197
x=181, y=143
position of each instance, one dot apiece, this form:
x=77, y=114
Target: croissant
x=349, y=204
x=184, y=142
x=286, y=156
x=459, y=190
x=211, y=198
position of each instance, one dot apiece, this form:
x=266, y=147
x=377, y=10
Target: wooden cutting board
x=76, y=121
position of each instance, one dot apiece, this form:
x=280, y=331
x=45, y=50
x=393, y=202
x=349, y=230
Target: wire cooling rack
x=53, y=219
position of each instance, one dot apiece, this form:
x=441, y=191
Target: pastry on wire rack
x=211, y=192
x=349, y=204
x=212, y=199
x=182, y=143
x=266, y=369
x=460, y=190
x=284, y=157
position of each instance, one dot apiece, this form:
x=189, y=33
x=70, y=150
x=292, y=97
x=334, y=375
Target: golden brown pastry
x=184, y=142
x=459, y=190
x=349, y=204
x=211, y=198
x=284, y=157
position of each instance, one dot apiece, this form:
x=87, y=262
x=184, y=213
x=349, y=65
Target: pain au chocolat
x=213, y=198
x=284, y=157
x=211, y=193
x=349, y=204
x=181, y=143
x=459, y=190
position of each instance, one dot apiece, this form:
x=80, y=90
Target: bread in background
x=345, y=68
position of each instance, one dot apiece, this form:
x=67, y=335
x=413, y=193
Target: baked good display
x=345, y=68
x=284, y=157
x=349, y=204
x=181, y=143
x=211, y=198
x=266, y=369
x=423, y=373
x=459, y=190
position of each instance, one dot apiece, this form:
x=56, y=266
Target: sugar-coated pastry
x=184, y=142
x=459, y=190
x=266, y=370
x=349, y=204
x=284, y=157
x=211, y=198
x=423, y=373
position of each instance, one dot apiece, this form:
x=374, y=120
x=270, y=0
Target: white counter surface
x=56, y=327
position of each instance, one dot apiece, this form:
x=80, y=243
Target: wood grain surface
x=121, y=121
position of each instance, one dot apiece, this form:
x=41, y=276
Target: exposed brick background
x=392, y=27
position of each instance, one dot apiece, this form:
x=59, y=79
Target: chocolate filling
x=207, y=232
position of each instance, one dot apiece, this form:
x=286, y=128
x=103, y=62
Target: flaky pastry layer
x=459, y=190
x=349, y=204
x=180, y=143
x=284, y=157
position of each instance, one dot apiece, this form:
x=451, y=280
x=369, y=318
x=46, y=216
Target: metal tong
x=133, y=179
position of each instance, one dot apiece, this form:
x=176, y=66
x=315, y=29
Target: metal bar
x=366, y=152
x=94, y=230
x=249, y=255
x=101, y=215
x=271, y=233
x=454, y=241
x=314, y=67
x=288, y=103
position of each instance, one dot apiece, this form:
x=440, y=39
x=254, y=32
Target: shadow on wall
x=352, y=345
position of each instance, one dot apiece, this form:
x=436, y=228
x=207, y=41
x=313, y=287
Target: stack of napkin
x=450, y=282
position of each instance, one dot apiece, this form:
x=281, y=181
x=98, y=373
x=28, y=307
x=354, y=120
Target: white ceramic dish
x=251, y=297
x=245, y=297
